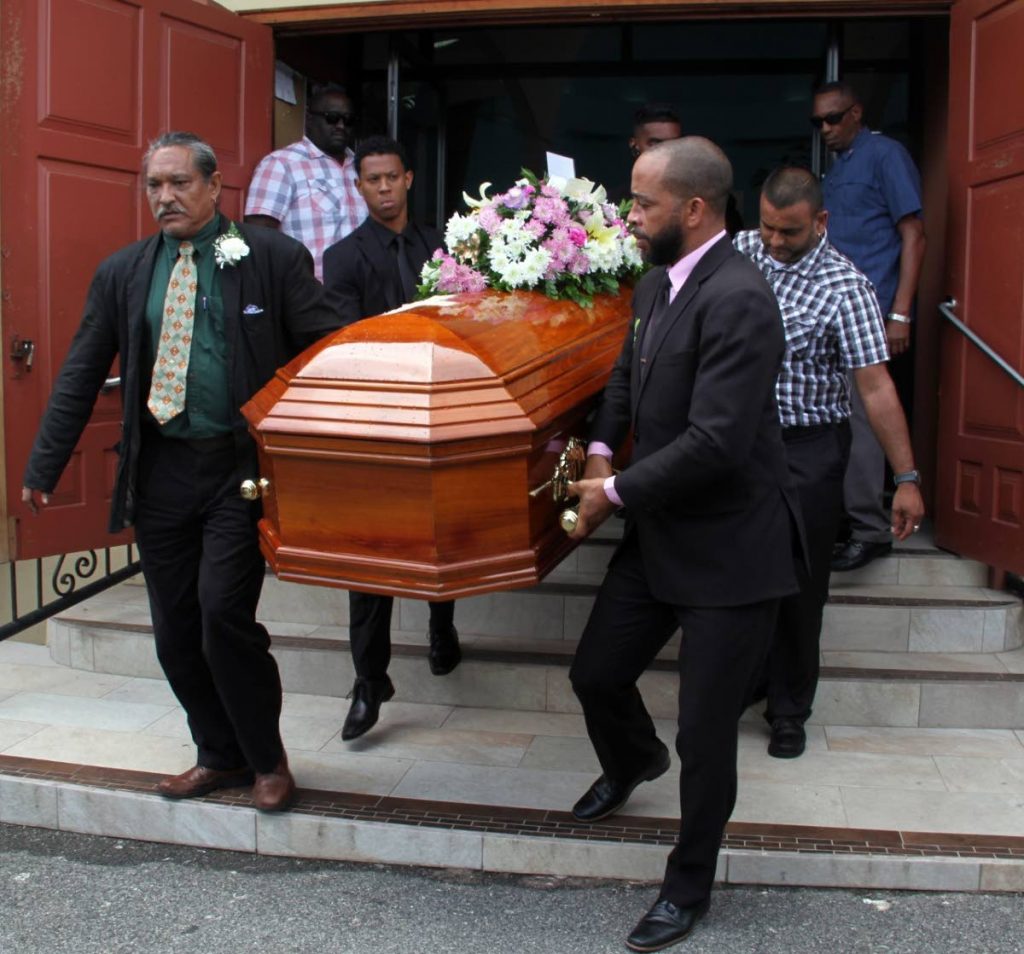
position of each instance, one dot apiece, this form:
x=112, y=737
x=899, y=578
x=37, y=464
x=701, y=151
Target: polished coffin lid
x=402, y=450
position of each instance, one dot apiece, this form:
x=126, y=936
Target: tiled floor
x=935, y=780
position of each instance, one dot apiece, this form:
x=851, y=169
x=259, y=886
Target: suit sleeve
x=308, y=314
x=613, y=415
x=741, y=347
x=341, y=282
x=88, y=361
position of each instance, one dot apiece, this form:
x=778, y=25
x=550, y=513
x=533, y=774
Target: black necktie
x=405, y=273
x=661, y=303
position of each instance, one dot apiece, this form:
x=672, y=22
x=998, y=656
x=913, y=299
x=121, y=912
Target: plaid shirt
x=313, y=196
x=833, y=324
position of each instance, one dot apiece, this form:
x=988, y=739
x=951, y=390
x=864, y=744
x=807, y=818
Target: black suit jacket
x=707, y=488
x=361, y=272
x=274, y=308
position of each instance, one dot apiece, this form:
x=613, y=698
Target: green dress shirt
x=208, y=405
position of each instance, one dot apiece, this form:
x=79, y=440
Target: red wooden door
x=87, y=84
x=980, y=494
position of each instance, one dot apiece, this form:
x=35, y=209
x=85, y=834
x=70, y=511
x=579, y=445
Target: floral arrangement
x=560, y=237
x=230, y=248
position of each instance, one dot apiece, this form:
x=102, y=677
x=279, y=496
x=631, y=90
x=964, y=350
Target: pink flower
x=453, y=277
x=577, y=236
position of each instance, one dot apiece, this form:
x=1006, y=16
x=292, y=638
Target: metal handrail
x=946, y=310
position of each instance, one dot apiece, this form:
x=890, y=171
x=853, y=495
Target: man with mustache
x=710, y=518
x=308, y=189
x=200, y=316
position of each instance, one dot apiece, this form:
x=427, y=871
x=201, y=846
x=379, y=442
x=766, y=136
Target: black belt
x=809, y=430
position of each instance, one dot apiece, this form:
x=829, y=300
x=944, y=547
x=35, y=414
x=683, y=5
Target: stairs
x=912, y=640
x=913, y=775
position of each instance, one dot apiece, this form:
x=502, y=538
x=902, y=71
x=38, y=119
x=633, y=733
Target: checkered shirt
x=312, y=195
x=833, y=324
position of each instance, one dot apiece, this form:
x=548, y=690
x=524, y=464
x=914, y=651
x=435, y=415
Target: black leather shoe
x=788, y=739
x=664, y=925
x=858, y=553
x=445, y=652
x=605, y=797
x=367, y=697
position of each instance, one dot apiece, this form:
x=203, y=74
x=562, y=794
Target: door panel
x=88, y=84
x=980, y=500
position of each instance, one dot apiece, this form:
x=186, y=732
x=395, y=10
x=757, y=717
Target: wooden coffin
x=399, y=454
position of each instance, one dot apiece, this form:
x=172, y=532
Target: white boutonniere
x=230, y=248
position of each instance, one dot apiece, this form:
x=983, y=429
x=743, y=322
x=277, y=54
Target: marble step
x=488, y=789
x=857, y=688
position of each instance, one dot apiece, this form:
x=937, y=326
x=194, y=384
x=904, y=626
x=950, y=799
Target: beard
x=666, y=247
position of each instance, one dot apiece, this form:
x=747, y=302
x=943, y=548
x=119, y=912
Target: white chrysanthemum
x=459, y=230
x=521, y=271
x=604, y=255
x=631, y=252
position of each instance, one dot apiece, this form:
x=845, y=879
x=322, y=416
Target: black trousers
x=369, y=627
x=720, y=656
x=817, y=458
x=203, y=569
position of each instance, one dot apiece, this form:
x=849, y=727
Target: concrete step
x=868, y=688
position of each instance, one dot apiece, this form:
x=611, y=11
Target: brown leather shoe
x=200, y=780
x=274, y=791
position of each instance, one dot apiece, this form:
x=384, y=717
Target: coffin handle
x=254, y=489
x=570, y=466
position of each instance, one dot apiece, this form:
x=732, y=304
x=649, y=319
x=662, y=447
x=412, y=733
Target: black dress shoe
x=606, y=796
x=367, y=696
x=664, y=925
x=788, y=739
x=445, y=652
x=858, y=553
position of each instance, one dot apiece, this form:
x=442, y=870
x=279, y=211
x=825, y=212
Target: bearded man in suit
x=200, y=316
x=371, y=271
x=711, y=521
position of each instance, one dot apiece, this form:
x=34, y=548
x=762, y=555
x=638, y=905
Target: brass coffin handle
x=570, y=466
x=254, y=489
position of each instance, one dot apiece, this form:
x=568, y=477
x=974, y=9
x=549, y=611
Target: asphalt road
x=80, y=894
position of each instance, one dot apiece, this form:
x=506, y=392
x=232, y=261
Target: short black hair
x=656, y=113
x=319, y=90
x=380, y=146
x=790, y=185
x=695, y=166
x=839, y=86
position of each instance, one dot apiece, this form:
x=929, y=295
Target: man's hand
x=897, y=333
x=907, y=510
x=33, y=498
x=595, y=507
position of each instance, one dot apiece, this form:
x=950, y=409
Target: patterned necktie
x=167, y=392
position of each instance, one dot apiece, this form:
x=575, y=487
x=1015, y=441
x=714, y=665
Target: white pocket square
x=252, y=310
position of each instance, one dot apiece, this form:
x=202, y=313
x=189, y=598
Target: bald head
x=694, y=167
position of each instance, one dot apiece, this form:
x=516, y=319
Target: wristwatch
x=908, y=477
x=896, y=316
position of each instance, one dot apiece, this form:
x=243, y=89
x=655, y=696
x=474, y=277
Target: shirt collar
x=682, y=269
x=201, y=241
x=857, y=140
x=805, y=266
x=317, y=153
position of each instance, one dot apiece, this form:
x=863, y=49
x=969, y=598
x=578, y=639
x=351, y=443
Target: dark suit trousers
x=203, y=569
x=720, y=655
x=369, y=627
x=817, y=458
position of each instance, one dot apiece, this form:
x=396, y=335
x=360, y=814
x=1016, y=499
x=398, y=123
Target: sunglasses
x=332, y=118
x=833, y=119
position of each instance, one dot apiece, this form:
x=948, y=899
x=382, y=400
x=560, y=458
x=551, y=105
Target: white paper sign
x=564, y=167
x=284, y=83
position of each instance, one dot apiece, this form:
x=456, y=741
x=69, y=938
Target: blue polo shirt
x=870, y=187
